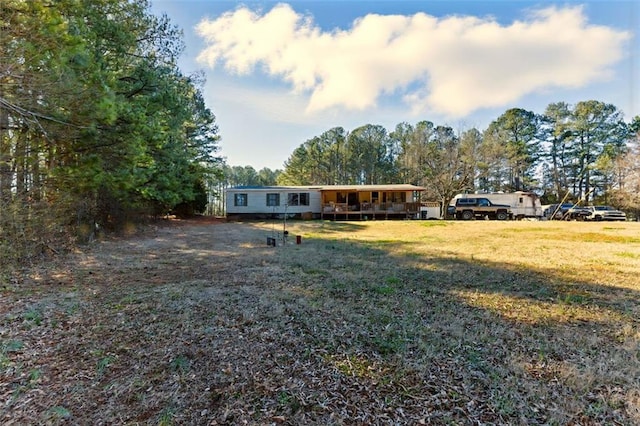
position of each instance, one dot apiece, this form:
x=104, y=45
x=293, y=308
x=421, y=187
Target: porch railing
x=371, y=207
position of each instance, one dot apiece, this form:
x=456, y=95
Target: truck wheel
x=502, y=216
x=467, y=215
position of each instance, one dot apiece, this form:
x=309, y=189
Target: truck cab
x=479, y=208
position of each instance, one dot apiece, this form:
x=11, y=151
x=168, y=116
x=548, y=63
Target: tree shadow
x=512, y=336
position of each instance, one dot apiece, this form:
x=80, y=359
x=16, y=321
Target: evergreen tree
x=97, y=122
x=517, y=132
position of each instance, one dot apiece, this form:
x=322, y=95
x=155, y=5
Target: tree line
x=98, y=125
x=583, y=152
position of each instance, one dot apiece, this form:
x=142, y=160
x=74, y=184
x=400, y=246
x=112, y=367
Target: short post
x=298, y=239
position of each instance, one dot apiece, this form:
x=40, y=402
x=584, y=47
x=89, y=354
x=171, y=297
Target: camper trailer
x=523, y=204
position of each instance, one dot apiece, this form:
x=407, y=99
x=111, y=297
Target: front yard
x=399, y=322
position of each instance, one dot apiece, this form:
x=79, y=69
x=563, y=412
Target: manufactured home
x=523, y=204
x=335, y=202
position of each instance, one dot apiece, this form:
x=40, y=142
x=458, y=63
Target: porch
x=370, y=211
x=365, y=202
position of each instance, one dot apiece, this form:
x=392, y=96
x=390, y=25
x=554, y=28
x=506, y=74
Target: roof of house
x=271, y=188
x=343, y=188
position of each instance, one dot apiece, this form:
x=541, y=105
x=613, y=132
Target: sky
x=280, y=73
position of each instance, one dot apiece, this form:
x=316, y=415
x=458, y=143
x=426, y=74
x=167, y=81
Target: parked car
x=479, y=208
x=604, y=213
x=565, y=211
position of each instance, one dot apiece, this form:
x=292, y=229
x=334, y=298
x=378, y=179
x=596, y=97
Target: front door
x=352, y=198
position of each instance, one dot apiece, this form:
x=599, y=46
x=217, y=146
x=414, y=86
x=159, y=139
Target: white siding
x=430, y=211
x=257, y=201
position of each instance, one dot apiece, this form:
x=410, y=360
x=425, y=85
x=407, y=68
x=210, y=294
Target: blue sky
x=280, y=73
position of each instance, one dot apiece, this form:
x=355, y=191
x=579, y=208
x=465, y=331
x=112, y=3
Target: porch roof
x=369, y=188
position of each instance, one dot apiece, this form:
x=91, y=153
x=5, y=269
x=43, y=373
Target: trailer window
x=273, y=199
x=240, y=200
x=298, y=199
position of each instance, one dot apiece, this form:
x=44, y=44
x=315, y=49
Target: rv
x=523, y=204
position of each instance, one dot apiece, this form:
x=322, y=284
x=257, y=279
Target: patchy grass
x=399, y=322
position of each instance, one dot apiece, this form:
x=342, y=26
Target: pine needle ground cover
x=363, y=323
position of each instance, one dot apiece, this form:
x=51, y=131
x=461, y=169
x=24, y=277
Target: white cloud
x=459, y=63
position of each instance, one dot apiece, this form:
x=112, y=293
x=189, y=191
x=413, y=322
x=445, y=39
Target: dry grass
x=403, y=322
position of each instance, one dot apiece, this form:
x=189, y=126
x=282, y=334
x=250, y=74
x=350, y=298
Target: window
x=240, y=200
x=273, y=199
x=398, y=197
x=298, y=199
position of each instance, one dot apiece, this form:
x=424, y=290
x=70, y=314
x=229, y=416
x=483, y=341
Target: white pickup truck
x=604, y=213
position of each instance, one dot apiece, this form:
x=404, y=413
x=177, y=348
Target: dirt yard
x=167, y=328
x=202, y=323
x=185, y=325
